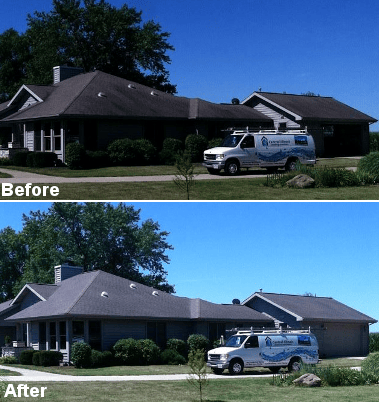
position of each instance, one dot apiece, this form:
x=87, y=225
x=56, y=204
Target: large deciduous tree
x=94, y=236
x=91, y=34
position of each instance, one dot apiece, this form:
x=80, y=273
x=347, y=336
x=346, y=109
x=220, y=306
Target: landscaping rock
x=308, y=380
x=301, y=181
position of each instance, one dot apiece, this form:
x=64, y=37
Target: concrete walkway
x=19, y=177
x=40, y=376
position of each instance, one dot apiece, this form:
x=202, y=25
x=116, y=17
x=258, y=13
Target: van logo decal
x=265, y=142
x=268, y=341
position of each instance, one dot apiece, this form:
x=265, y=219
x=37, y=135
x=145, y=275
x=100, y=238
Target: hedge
x=81, y=355
x=47, y=358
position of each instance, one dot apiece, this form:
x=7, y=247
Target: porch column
x=47, y=330
x=86, y=324
x=68, y=339
x=42, y=146
x=28, y=327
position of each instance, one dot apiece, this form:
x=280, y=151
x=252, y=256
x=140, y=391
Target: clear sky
x=227, y=250
x=230, y=48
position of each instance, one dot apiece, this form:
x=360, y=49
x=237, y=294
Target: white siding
x=275, y=116
x=30, y=101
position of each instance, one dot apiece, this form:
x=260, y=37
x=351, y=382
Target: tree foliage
x=91, y=235
x=91, y=34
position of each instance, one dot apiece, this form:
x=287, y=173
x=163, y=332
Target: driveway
x=19, y=177
x=39, y=376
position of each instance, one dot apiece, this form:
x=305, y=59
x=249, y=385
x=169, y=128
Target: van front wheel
x=236, y=366
x=232, y=168
x=291, y=164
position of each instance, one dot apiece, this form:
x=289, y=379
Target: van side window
x=304, y=340
x=252, y=342
x=248, y=142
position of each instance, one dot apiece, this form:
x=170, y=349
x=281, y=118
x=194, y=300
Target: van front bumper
x=214, y=165
x=218, y=364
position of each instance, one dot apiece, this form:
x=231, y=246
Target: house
x=340, y=330
x=338, y=129
x=96, y=108
x=100, y=308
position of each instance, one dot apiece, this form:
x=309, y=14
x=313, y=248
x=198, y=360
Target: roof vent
x=155, y=293
x=104, y=294
x=131, y=86
x=102, y=95
x=133, y=286
x=236, y=301
x=153, y=93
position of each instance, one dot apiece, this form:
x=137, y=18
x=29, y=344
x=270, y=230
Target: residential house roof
x=310, y=308
x=311, y=107
x=98, y=94
x=81, y=295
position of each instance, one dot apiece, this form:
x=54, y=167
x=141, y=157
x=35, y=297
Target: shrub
x=149, y=352
x=144, y=152
x=373, y=342
x=179, y=346
x=101, y=359
x=97, y=159
x=49, y=358
x=26, y=356
x=126, y=351
x=8, y=360
x=172, y=147
x=198, y=342
x=370, y=368
x=81, y=354
x=374, y=142
x=19, y=158
x=36, y=359
x=41, y=159
x=121, y=152
x=215, y=142
x=172, y=357
x=195, y=146
x=5, y=162
x=75, y=156
x=370, y=164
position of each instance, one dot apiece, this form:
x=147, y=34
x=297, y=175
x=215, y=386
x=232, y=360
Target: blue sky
x=227, y=250
x=229, y=48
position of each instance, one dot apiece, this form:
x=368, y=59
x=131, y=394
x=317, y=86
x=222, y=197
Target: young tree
x=198, y=370
x=95, y=236
x=184, y=178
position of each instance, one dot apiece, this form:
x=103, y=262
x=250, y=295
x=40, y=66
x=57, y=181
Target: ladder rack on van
x=260, y=131
x=242, y=331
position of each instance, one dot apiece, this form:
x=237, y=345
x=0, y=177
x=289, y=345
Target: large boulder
x=308, y=380
x=301, y=181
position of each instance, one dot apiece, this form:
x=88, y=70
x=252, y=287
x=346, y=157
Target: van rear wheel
x=294, y=364
x=236, y=366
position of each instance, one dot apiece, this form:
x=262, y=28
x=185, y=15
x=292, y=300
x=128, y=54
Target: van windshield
x=235, y=341
x=231, y=141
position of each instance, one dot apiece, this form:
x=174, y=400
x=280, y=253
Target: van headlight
x=219, y=157
x=225, y=356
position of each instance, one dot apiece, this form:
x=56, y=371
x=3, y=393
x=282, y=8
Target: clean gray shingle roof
x=316, y=107
x=316, y=308
x=82, y=296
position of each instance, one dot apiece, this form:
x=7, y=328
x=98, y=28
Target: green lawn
x=234, y=189
x=234, y=390
x=122, y=171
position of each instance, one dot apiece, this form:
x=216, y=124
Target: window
x=216, y=330
x=156, y=331
x=57, y=136
x=47, y=138
x=95, y=335
x=248, y=142
x=78, y=331
x=42, y=335
x=53, y=335
x=304, y=340
x=62, y=335
x=252, y=342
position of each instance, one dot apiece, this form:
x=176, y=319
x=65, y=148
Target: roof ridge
x=83, y=291
x=96, y=73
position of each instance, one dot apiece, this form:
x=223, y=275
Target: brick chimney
x=66, y=271
x=61, y=73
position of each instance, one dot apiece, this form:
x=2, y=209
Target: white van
x=268, y=348
x=270, y=149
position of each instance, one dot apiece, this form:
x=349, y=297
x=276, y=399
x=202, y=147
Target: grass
x=234, y=189
x=234, y=390
x=164, y=369
x=123, y=171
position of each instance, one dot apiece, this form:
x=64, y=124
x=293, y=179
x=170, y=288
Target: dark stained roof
x=81, y=295
x=314, y=107
x=103, y=95
x=310, y=308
